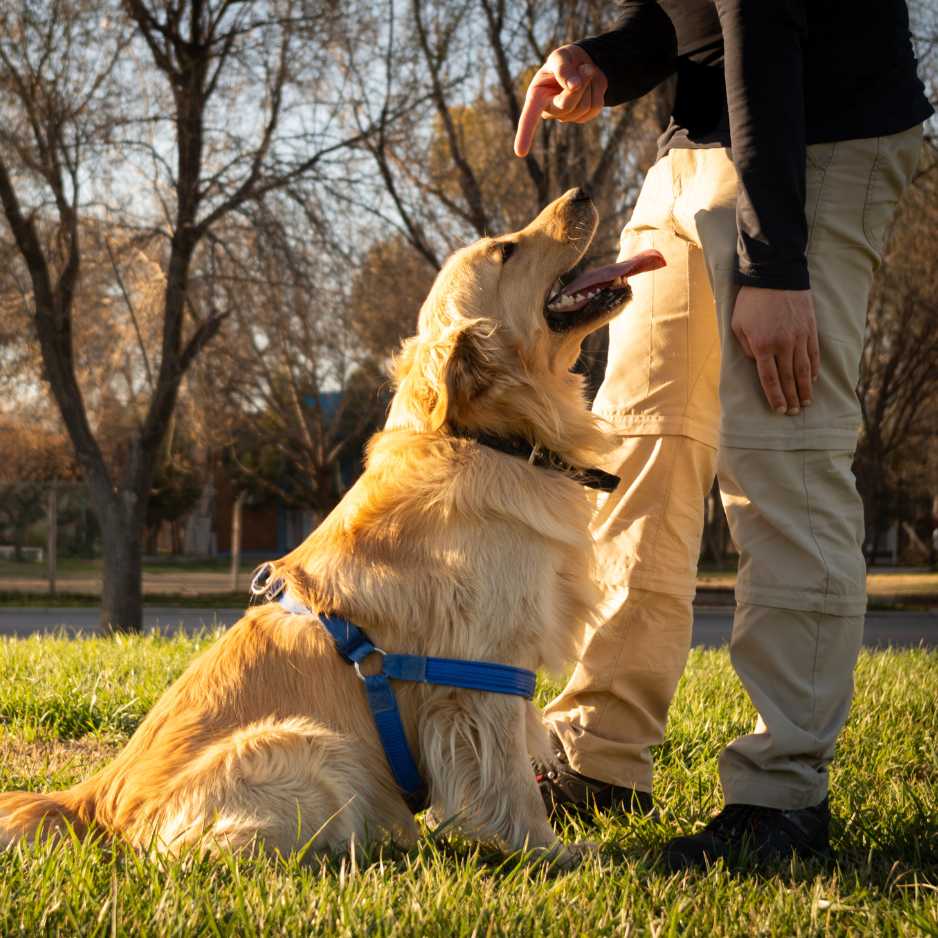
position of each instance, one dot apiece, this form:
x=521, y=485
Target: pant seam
x=758, y=595
x=817, y=202
x=654, y=550
x=691, y=388
x=687, y=307
x=866, y=199
x=664, y=507
x=817, y=649
x=817, y=543
x=651, y=334
x=700, y=374
x=630, y=611
x=676, y=190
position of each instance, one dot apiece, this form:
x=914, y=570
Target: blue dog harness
x=353, y=646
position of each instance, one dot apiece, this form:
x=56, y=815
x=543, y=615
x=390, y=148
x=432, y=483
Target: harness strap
x=354, y=646
x=387, y=717
x=454, y=672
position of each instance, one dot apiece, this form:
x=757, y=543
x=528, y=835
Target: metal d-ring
x=375, y=650
x=261, y=579
x=262, y=585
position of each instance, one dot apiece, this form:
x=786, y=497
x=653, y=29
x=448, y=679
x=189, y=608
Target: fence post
x=236, y=539
x=52, y=528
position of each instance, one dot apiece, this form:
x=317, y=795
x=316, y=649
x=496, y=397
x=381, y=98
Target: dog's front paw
x=563, y=857
x=573, y=855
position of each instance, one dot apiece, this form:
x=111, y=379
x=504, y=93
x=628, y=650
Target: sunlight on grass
x=67, y=706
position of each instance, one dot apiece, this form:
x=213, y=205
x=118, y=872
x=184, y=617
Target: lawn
x=66, y=706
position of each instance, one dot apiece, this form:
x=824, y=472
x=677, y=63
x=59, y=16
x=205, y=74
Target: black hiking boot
x=746, y=833
x=566, y=792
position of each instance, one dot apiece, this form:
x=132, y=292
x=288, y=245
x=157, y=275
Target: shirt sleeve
x=765, y=97
x=638, y=54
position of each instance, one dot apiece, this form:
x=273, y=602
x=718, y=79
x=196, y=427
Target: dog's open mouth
x=596, y=292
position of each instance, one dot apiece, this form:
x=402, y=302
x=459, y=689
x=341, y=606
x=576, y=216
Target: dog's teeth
x=566, y=300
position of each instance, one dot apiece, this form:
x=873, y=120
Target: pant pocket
x=897, y=157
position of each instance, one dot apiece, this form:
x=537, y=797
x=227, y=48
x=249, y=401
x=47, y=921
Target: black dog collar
x=592, y=478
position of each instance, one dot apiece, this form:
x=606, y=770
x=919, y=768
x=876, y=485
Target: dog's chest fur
x=455, y=551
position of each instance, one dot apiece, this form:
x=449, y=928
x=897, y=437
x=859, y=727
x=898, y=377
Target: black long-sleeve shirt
x=767, y=77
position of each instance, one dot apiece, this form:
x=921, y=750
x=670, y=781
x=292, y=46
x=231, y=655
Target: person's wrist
x=791, y=275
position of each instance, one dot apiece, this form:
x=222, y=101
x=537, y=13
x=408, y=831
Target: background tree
x=293, y=391
x=897, y=459
x=288, y=176
x=443, y=170
x=235, y=108
x=34, y=457
x=898, y=386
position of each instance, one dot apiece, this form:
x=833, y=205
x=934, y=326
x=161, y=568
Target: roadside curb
x=722, y=596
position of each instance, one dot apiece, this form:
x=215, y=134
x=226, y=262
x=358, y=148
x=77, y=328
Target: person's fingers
x=565, y=67
x=595, y=99
x=814, y=353
x=743, y=340
x=566, y=88
x=771, y=386
x=598, y=91
x=802, y=365
x=599, y=81
x=587, y=109
x=536, y=101
x=568, y=105
x=784, y=362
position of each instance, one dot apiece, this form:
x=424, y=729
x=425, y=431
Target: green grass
x=66, y=706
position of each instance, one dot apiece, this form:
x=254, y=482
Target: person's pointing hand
x=568, y=87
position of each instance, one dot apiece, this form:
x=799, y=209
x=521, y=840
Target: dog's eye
x=507, y=248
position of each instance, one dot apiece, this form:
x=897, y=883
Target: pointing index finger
x=537, y=98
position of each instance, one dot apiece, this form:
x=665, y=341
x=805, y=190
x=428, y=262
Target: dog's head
x=498, y=333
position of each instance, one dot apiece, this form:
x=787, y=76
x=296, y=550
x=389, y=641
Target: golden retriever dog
x=444, y=546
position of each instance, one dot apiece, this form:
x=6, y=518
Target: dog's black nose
x=582, y=194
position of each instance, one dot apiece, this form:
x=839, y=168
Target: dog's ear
x=439, y=376
x=469, y=367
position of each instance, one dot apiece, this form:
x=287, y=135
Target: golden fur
x=442, y=547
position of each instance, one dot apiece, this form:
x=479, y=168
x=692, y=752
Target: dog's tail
x=25, y=814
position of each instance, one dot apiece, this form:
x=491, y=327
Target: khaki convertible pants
x=688, y=403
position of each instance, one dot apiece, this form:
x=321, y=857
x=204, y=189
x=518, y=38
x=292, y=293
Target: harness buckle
x=357, y=664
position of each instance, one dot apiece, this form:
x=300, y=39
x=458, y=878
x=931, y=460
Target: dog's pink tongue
x=601, y=276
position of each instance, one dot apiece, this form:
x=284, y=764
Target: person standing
x=794, y=130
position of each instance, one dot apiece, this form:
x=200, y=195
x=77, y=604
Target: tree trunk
x=236, y=513
x=52, y=530
x=877, y=510
x=122, y=515
x=122, y=584
x=19, y=539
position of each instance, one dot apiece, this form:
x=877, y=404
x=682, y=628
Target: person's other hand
x=778, y=329
x=567, y=87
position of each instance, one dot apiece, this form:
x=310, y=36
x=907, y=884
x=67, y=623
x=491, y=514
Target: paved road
x=711, y=624
x=901, y=629
x=25, y=621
